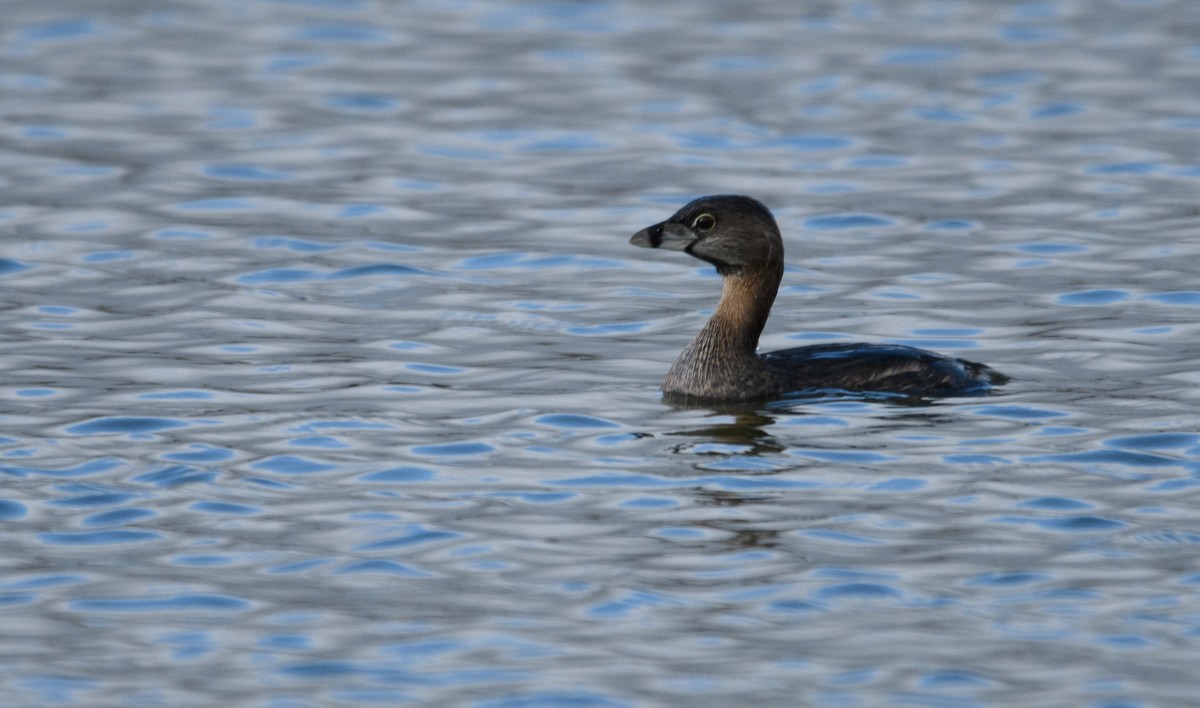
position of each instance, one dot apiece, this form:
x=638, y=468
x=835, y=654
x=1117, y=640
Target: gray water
x=329, y=377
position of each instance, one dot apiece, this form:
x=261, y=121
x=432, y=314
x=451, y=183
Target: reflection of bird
x=740, y=238
x=746, y=432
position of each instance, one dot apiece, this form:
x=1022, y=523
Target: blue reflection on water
x=1154, y=441
x=1116, y=168
x=294, y=275
x=175, y=476
x=126, y=425
x=198, y=601
x=572, y=421
x=292, y=464
x=118, y=517
x=11, y=510
x=176, y=396
x=349, y=32
x=184, y=234
x=9, y=266
x=201, y=453
x=293, y=243
x=435, y=369
x=453, y=449
x=245, y=172
x=61, y=29
x=951, y=225
x=97, y=538
x=1122, y=458
x=1085, y=523
x=44, y=132
x=364, y=102
x=294, y=62
x=212, y=507
x=1054, y=503
x=382, y=566
x=414, y=535
x=921, y=55
x=858, y=591
x=320, y=441
x=1017, y=412
x=90, y=500
x=83, y=469
x=838, y=222
x=1183, y=298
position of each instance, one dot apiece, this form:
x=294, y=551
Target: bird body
x=740, y=238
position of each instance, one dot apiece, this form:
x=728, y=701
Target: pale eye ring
x=704, y=222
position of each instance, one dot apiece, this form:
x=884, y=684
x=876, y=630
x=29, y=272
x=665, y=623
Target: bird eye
x=704, y=222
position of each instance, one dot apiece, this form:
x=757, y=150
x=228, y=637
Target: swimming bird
x=739, y=237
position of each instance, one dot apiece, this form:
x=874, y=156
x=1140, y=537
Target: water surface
x=329, y=376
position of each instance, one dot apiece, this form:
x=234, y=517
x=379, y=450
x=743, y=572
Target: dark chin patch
x=722, y=267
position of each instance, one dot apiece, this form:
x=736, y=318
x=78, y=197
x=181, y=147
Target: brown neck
x=746, y=300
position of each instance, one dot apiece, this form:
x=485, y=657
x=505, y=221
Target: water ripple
x=1093, y=297
x=125, y=425
x=177, y=603
x=839, y=222
x=571, y=421
x=329, y=370
x=10, y=510
x=98, y=538
x=413, y=537
x=292, y=464
x=399, y=475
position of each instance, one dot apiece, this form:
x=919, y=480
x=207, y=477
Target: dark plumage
x=740, y=238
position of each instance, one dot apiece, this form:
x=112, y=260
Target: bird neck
x=741, y=314
x=721, y=361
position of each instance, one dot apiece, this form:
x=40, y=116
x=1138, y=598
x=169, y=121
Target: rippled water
x=329, y=376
